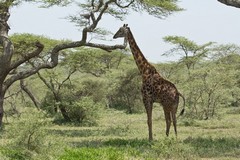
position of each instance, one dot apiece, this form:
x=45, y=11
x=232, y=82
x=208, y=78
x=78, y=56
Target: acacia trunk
x=62, y=108
x=64, y=113
x=1, y=106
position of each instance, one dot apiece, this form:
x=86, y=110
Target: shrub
x=84, y=110
x=76, y=103
x=126, y=95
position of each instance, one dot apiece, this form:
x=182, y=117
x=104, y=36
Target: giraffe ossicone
x=154, y=87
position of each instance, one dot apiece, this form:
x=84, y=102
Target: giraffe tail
x=182, y=111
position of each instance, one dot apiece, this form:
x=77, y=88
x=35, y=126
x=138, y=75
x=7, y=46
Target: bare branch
x=54, y=59
x=97, y=8
x=233, y=3
x=44, y=80
x=68, y=77
x=16, y=93
x=106, y=47
x=28, y=56
x=126, y=6
x=29, y=93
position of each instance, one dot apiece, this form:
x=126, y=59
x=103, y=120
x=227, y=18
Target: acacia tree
x=11, y=69
x=8, y=65
x=192, y=53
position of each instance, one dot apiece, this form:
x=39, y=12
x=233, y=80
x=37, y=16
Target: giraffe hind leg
x=174, y=119
x=168, y=121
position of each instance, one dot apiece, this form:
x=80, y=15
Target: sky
x=202, y=21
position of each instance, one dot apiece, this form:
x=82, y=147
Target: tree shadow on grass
x=117, y=142
x=215, y=147
x=86, y=132
x=77, y=132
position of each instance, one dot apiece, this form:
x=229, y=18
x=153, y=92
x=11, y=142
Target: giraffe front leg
x=148, y=106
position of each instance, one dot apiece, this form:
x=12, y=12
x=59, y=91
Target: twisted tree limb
x=233, y=3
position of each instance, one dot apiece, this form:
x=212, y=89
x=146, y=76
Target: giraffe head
x=122, y=32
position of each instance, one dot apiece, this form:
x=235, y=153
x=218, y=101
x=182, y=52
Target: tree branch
x=44, y=81
x=55, y=51
x=29, y=93
x=54, y=59
x=126, y=6
x=28, y=56
x=233, y=3
x=67, y=78
x=106, y=47
x=16, y=93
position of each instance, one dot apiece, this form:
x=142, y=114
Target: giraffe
x=154, y=87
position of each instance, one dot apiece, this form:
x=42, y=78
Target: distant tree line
x=87, y=81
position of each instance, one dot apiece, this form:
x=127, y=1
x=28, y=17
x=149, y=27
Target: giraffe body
x=154, y=87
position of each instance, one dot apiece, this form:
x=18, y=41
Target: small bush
x=126, y=93
x=84, y=111
x=74, y=105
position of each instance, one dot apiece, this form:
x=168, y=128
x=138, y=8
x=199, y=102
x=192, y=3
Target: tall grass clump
x=28, y=137
x=209, y=147
x=166, y=148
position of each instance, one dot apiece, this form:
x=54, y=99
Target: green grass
x=120, y=136
x=129, y=149
x=85, y=153
x=208, y=147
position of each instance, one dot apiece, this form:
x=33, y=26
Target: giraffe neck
x=139, y=58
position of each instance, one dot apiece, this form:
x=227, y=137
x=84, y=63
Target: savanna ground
x=120, y=136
